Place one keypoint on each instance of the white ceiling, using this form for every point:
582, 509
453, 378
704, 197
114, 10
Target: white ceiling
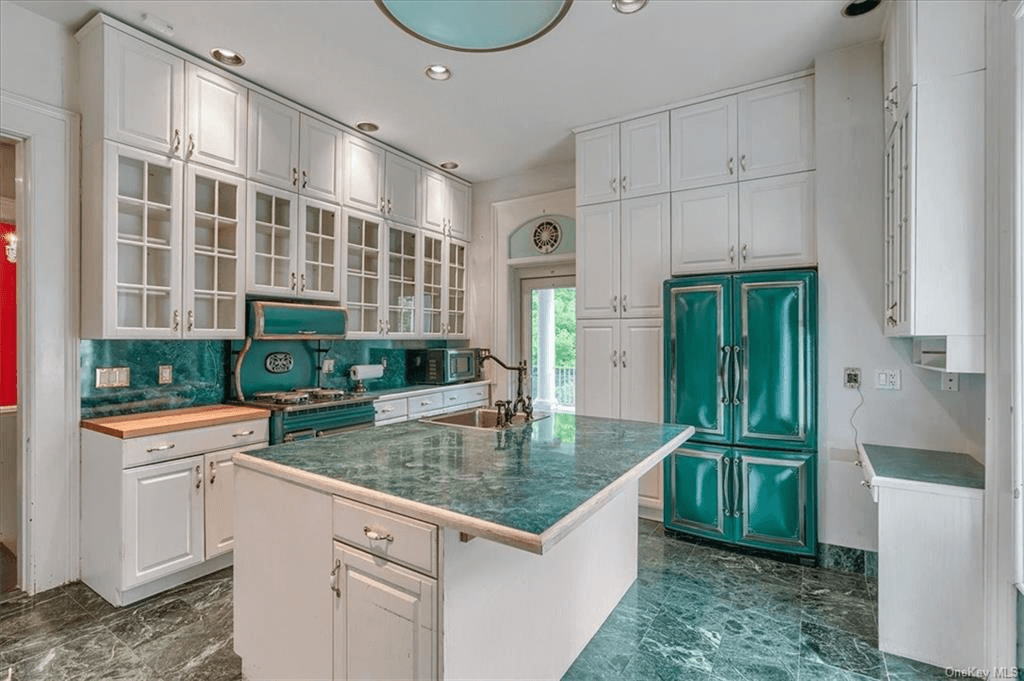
505, 112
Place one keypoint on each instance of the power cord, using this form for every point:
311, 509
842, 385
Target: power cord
856, 433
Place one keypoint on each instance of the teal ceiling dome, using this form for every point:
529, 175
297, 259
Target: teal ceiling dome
466, 26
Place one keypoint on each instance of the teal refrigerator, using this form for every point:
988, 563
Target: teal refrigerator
741, 368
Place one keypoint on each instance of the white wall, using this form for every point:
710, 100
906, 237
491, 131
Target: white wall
848, 141
37, 58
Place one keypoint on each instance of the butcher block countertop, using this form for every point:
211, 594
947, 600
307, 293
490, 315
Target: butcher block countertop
171, 420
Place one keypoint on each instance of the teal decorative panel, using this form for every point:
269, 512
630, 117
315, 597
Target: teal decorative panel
695, 482
775, 506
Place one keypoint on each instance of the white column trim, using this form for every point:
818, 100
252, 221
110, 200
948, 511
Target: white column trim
48, 212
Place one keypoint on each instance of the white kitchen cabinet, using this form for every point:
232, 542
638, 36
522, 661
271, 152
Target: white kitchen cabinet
777, 222
401, 190
273, 142
623, 160
364, 263
442, 308
402, 282
445, 205
319, 250
163, 519
157, 510
217, 111
398, 407
776, 129
381, 607
704, 145
363, 175
455, 289
623, 255
459, 214
705, 229
619, 375
319, 159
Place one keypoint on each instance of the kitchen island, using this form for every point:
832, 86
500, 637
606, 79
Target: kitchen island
420, 550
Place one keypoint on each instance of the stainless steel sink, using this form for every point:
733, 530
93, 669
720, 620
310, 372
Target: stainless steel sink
484, 418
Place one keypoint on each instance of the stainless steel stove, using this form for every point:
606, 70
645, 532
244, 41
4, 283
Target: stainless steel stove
304, 413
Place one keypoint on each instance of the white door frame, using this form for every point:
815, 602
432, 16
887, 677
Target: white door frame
48, 364
558, 276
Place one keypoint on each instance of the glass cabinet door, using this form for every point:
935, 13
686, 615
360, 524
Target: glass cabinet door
318, 271
456, 313
362, 273
147, 243
214, 215
433, 250
401, 280
272, 241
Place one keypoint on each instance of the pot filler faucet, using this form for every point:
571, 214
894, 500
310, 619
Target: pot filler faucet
508, 409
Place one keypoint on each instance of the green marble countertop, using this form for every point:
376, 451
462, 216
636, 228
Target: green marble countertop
925, 465
525, 486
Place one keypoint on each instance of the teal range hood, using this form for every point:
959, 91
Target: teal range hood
269, 320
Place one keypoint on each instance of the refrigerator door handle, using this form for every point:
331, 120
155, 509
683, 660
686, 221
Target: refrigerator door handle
736, 375
726, 501
736, 511
723, 368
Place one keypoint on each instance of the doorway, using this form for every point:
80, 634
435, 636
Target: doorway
548, 324
9, 487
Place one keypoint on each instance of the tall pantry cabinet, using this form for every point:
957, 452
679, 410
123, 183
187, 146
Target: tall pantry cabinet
622, 256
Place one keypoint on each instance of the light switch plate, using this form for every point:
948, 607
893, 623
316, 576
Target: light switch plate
113, 377
166, 374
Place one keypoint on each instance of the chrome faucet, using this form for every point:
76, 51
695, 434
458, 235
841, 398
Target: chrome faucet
508, 410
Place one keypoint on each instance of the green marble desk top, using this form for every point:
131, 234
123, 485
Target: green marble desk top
526, 478
926, 465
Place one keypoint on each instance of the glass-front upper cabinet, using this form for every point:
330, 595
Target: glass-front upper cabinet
456, 285
272, 242
214, 242
319, 249
432, 300
401, 281
363, 274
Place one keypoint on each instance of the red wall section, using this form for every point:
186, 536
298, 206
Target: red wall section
8, 325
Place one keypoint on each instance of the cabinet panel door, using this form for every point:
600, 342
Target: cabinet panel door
777, 222
363, 175
402, 193
385, 620
220, 502
640, 350
403, 279
698, 346
705, 227
435, 201
273, 142
459, 221
146, 102
597, 261
163, 514
696, 491
597, 165
597, 373
704, 144
646, 254
215, 225
319, 250
776, 328
364, 258
644, 156
776, 129
776, 500
319, 159
455, 287
272, 216
217, 113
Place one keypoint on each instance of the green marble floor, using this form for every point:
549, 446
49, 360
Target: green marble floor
702, 613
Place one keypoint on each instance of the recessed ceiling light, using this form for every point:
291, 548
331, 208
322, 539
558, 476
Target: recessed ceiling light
227, 57
449, 165
367, 126
438, 72
856, 8
628, 6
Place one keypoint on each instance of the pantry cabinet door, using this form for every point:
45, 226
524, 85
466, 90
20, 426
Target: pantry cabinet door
704, 144
644, 156
597, 261
273, 142
597, 368
217, 113
597, 165
163, 515
705, 229
646, 255
777, 222
776, 129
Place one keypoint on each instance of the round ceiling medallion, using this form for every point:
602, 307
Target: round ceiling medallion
464, 26
546, 237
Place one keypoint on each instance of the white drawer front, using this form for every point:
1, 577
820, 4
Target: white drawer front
389, 535
459, 396
421, 404
390, 410
152, 448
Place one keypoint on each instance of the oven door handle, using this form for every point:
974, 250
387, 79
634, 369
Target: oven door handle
343, 429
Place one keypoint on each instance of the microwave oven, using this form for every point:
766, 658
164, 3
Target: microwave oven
441, 366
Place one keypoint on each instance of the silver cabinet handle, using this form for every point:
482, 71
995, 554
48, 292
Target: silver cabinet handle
743, 162
305, 179
382, 204
302, 282
732, 254
386, 410
295, 176
335, 586
424, 403
293, 284
191, 146
891, 319
176, 141
865, 483
374, 535
199, 476
731, 165
736, 377
191, 321
614, 184
623, 302
389, 206
726, 501
723, 368
245, 433
175, 321
737, 510
624, 184
452, 398
743, 252
213, 471
622, 359
615, 361
615, 303
161, 448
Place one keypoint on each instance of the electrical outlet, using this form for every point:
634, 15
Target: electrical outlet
887, 379
113, 377
950, 382
328, 366
166, 375
851, 377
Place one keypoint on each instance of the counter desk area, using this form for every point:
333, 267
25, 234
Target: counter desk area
427, 551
